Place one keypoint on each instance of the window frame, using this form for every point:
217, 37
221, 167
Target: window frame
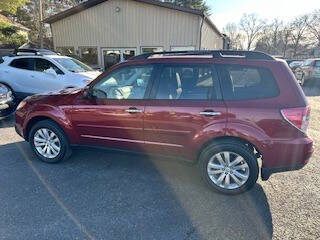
216, 84
120, 68
220, 66
30, 58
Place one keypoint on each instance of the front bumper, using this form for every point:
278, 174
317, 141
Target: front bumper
18, 131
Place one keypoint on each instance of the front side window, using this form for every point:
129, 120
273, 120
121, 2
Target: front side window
246, 82
186, 82
317, 64
73, 65
42, 65
23, 63
124, 83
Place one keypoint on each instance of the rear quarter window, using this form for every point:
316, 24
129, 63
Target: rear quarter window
247, 82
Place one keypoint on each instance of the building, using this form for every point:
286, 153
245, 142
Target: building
102, 32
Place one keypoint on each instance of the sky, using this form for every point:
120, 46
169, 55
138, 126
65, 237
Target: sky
225, 11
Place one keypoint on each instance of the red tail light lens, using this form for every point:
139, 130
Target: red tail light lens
298, 117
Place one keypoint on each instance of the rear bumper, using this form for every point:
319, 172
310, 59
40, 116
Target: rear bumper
267, 172
283, 156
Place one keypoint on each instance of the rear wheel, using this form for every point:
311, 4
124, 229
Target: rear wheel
49, 142
229, 167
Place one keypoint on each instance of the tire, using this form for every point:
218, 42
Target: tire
62, 143
209, 156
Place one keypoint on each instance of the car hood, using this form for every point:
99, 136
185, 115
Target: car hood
59, 95
89, 75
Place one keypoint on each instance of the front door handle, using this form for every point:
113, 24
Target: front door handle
210, 113
133, 110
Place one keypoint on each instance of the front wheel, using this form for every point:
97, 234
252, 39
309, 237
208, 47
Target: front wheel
49, 142
229, 167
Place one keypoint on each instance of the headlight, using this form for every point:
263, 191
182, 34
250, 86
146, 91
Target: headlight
5, 94
21, 105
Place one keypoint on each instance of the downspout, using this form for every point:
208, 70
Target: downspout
200, 33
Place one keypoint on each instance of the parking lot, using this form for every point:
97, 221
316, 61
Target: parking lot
99, 194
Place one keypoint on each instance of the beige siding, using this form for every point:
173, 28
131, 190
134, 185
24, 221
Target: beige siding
137, 24
210, 39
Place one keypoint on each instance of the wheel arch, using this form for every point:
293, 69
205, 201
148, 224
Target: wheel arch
34, 120
238, 140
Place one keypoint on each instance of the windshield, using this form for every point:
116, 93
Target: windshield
73, 65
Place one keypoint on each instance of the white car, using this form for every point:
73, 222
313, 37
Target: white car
32, 74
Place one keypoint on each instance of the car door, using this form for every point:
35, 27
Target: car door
52, 80
184, 111
113, 116
19, 76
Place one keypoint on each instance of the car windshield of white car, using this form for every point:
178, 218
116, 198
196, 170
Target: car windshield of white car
73, 65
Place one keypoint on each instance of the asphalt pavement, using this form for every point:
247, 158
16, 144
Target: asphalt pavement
100, 194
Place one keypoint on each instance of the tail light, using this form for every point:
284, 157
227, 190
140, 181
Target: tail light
298, 117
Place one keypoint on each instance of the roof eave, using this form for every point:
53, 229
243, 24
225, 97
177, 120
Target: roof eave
88, 4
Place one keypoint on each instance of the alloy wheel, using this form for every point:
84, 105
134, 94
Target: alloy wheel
47, 143
228, 170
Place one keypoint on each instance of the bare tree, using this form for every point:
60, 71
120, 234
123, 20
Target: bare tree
285, 39
314, 26
299, 28
252, 26
236, 38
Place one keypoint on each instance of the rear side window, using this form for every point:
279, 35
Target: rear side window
247, 82
187, 82
23, 63
317, 64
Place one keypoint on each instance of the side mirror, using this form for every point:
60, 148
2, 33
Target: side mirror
51, 72
86, 93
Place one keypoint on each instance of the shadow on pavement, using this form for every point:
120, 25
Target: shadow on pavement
112, 195
7, 122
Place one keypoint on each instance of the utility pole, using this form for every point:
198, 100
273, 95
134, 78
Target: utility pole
41, 24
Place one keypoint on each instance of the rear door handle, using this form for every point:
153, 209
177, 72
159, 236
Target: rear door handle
210, 113
133, 110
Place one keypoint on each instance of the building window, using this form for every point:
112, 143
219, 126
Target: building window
67, 51
151, 49
183, 48
89, 55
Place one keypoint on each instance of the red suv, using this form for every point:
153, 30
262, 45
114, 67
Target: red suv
224, 110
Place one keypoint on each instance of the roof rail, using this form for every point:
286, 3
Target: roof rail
214, 53
35, 51
23, 50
